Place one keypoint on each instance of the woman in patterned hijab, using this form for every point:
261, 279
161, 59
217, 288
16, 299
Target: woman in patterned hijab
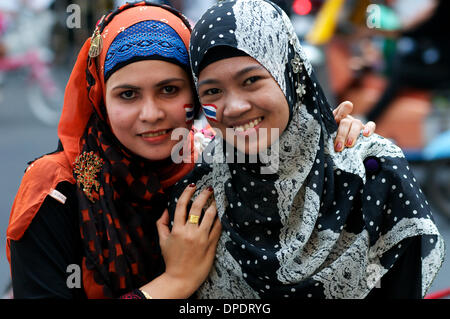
305, 221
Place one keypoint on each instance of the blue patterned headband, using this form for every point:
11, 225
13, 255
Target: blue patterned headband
145, 40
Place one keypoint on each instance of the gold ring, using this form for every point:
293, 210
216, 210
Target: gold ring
193, 219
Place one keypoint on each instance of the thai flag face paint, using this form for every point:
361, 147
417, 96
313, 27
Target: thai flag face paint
210, 111
189, 108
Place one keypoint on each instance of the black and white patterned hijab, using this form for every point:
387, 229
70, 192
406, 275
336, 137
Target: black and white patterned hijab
325, 224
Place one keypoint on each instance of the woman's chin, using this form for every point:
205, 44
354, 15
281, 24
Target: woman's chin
155, 154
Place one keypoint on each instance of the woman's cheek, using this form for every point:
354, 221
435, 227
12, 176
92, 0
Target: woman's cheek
120, 119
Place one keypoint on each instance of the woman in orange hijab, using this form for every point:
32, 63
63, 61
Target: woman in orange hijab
109, 178
88, 219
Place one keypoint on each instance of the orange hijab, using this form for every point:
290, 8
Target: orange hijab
131, 258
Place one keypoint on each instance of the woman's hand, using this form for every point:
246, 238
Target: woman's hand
189, 249
349, 127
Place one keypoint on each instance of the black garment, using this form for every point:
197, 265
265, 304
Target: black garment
52, 242
39, 260
402, 282
45, 259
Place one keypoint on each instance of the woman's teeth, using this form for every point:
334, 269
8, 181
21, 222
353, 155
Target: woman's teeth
154, 134
245, 127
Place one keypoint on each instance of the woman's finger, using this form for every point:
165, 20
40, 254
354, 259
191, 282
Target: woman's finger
353, 134
208, 217
369, 128
342, 134
342, 111
216, 230
182, 204
198, 204
162, 225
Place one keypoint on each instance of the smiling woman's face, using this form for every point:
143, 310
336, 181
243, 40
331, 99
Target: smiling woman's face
243, 101
145, 102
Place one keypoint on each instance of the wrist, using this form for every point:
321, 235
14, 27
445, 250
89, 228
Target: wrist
167, 287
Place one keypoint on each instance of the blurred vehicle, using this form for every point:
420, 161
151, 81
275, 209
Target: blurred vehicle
27, 52
306, 16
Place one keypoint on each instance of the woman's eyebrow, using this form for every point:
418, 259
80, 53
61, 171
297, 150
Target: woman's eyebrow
248, 69
235, 76
167, 81
125, 86
133, 87
208, 81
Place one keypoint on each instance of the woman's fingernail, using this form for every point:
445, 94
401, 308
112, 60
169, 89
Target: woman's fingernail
366, 131
338, 146
210, 188
192, 185
349, 142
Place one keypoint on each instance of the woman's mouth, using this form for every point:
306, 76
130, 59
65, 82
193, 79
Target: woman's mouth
156, 136
252, 124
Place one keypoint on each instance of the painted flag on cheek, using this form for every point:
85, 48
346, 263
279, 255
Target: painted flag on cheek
189, 108
210, 111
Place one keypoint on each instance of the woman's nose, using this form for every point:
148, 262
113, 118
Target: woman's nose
235, 107
151, 112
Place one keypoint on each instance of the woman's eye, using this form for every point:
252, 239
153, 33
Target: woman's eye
211, 91
251, 80
128, 95
169, 89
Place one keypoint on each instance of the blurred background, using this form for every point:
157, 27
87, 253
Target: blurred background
390, 58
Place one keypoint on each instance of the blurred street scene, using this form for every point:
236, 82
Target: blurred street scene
390, 58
